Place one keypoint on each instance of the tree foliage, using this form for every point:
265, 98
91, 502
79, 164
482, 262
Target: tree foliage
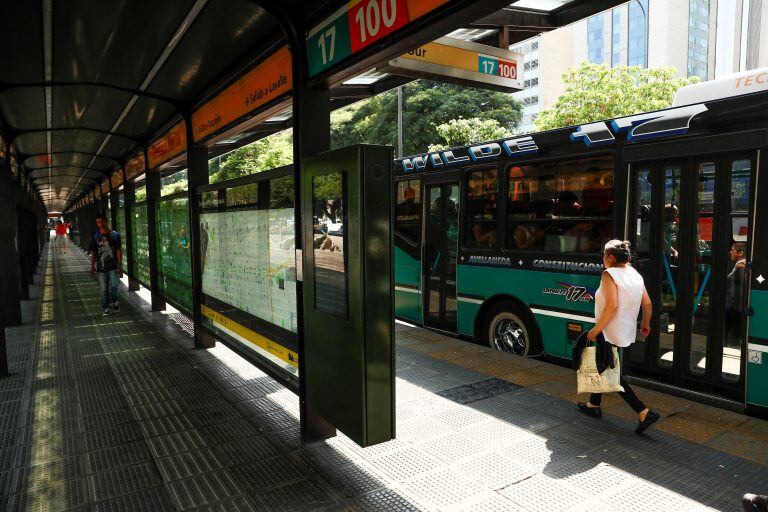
457, 132
426, 106
262, 155
595, 91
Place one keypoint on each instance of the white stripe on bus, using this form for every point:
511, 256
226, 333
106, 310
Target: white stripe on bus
567, 316
409, 290
470, 300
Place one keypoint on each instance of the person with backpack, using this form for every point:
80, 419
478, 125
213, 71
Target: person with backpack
106, 263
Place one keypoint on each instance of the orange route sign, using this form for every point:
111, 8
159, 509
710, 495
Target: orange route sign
134, 167
267, 81
170, 144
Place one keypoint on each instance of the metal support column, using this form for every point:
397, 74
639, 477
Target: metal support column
197, 175
10, 275
311, 135
129, 195
153, 195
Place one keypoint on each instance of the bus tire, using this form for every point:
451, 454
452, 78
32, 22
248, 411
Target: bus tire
508, 327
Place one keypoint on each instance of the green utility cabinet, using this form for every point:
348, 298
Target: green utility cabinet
349, 344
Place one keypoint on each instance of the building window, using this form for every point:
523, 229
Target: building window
616, 38
596, 39
698, 38
637, 33
725, 45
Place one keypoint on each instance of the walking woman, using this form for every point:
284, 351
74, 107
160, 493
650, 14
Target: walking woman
617, 303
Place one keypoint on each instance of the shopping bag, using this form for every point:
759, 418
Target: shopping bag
589, 380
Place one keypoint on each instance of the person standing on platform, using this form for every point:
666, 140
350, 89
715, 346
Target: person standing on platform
106, 262
61, 236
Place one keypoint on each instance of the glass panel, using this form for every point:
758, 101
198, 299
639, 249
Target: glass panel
482, 191
243, 195
176, 182
433, 250
580, 189
669, 263
281, 192
642, 239
174, 271
702, 269
140, 192
451, 240
586, 237
140, 235
735, 286
120, 227
209, 199
408, 209
637, 33
328, 211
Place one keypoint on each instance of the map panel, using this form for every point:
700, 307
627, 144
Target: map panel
248, 262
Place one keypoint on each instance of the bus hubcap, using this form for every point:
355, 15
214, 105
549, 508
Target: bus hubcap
509, 335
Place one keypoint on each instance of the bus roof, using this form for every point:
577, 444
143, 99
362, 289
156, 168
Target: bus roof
745, 82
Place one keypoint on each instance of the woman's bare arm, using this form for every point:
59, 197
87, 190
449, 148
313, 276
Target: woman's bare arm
611, 293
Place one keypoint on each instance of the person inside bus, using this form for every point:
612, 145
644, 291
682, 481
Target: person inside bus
528, 236
618, 301
567, 205
734, 296
671, 214
484, 233
597, 195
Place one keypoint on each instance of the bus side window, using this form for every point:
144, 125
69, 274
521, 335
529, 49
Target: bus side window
408, 210
560, 207
482, 194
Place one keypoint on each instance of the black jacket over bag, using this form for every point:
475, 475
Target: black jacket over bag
603, 354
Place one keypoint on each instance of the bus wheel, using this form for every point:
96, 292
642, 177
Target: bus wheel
508, 328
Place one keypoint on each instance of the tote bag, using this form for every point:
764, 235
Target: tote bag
589, 380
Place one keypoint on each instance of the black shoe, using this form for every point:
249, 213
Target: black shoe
115, 306
650, 418
754, 503
592, 412
105, 312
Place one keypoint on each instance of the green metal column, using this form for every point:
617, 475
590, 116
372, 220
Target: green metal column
153, 195
197, 175
311, 135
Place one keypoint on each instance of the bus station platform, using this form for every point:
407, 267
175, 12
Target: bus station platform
122, 413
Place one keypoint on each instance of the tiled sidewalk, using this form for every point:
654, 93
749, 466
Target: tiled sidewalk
120, 413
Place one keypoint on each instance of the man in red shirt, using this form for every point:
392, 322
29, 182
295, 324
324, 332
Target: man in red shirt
61, 236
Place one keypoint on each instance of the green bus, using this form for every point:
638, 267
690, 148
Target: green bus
500, 242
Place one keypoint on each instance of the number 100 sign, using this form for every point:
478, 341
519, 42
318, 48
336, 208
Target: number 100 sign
351, 29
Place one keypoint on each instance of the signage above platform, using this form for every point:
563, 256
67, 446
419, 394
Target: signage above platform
463, 62
170, 144
134, 167
269, 80
359, 24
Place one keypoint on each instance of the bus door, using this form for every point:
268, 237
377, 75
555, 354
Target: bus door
441, 225
691, 234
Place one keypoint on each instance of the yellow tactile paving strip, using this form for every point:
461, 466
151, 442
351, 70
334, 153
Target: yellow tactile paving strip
727, 431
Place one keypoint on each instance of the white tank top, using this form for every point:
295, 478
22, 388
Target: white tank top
622, 330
